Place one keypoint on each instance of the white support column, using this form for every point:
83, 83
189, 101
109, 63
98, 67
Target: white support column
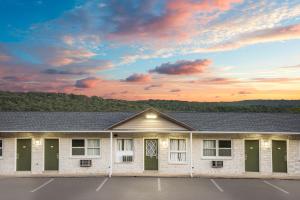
111, 155
191, 154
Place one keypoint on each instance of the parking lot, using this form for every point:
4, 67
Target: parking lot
144, 188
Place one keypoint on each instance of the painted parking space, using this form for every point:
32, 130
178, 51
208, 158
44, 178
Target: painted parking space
189, 189
292, 186
71, 188
142, 188
19, 188
146, 188
250, 189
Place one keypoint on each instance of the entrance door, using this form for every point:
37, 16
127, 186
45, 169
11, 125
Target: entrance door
151, 154
51, 154
252, 155
23, 154
279, 156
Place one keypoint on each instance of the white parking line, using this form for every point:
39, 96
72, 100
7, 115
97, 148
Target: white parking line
102, 184
216, 184
158, 185
43, 185
276, 187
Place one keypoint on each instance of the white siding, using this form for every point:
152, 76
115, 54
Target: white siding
141, 123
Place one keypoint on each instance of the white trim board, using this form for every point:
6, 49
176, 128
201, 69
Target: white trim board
159, 131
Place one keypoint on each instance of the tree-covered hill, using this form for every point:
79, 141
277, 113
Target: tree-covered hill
37, 101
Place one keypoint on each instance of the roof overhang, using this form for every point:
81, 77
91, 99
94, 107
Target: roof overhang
162, 131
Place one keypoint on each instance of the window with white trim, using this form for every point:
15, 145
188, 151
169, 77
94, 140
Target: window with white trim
124, 150
178, 150
78, 147
83, 147
217, 148
1, 147
93, 147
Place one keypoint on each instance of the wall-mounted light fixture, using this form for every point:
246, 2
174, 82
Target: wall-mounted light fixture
37, 142
164, 143
151, 116
266, 144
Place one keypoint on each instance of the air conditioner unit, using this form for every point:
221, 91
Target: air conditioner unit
217, 164
85, 163
127, 158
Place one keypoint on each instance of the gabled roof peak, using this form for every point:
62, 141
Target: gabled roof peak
149, 115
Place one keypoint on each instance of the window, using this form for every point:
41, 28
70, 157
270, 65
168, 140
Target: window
217, 148
124, 150
224, 147
1, 144
177, 150
209, 148
93, 147
82, 147
78, 147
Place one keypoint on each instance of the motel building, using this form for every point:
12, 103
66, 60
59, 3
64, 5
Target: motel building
150, 143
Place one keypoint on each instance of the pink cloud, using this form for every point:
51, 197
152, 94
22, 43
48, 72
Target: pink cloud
244, 92
4, 58
218, 80
139, 78
60, 56
89, 82
182, 67
275, 80
176, 22
175, 90
262, 36
87, 67
150, 87
65, 57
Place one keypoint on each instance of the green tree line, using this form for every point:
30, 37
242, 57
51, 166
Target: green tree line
38, 101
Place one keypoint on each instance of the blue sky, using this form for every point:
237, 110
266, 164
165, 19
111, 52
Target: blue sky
195, 50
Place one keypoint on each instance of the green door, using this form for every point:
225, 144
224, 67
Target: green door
279, 159
51, 154
151, 154
251, 155
23, 154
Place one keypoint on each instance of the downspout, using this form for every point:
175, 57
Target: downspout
111, 155
191, 154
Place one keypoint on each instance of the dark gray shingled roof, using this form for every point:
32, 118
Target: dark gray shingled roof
93, 121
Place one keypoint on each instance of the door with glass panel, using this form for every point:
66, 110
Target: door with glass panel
151, 154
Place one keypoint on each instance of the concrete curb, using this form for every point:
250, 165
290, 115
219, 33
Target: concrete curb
280, 177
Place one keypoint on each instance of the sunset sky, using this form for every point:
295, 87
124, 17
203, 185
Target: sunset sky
194, 50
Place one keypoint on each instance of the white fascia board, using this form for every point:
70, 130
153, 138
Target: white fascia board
158, 131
